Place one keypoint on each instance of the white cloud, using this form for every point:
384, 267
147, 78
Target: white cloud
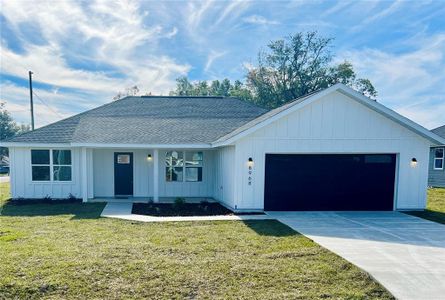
412, 83
213, 55
259, 20
232, 11
16, 99
121, 40
379, 15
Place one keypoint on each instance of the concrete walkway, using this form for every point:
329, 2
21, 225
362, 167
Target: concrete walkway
123, 211
404, 253
4, 179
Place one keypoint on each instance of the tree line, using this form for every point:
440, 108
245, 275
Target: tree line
287, 69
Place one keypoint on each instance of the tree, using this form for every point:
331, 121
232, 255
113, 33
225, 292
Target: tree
216, 88
8, 127
299, 65
131, 91
288, 69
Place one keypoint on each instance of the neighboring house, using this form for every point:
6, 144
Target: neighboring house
436, 177
331, 150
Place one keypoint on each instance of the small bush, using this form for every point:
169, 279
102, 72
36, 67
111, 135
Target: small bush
179, 201
71, 197
204, 202
47, 198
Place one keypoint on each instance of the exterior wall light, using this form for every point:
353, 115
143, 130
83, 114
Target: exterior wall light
149, 158
413, 162
250, 162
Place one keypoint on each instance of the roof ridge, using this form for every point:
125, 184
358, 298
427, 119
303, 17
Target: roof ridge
181, 96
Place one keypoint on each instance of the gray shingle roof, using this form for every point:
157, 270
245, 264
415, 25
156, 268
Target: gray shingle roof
150, 120
440, 131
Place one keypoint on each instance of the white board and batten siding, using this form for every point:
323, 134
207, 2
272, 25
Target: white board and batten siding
103, 170
22, 185
202, 189
143, 170
224, 169
333, 124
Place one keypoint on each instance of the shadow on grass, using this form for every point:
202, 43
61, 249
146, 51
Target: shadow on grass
431, 215
78, 210
270, 228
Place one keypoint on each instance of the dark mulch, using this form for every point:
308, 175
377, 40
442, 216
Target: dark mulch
23, 201
183, 210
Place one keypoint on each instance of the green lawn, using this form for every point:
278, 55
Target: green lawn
58, 251
435, 207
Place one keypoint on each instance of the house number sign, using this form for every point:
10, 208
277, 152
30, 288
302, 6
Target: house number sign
249, 181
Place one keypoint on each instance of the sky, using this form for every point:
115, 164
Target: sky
82, 53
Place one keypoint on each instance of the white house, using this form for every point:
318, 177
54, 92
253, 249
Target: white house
332, 150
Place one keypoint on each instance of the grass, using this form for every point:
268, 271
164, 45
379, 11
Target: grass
435, 207
66, 251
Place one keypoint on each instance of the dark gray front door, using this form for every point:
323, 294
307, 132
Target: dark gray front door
123, 174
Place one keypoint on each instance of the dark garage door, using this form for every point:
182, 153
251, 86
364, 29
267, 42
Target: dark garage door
329, 182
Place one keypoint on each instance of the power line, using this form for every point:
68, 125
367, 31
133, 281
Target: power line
49, 107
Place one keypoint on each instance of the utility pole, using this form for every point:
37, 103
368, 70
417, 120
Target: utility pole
30, 99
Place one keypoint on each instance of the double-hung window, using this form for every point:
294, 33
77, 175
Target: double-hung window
183, 166
438, 158
41, 165
51, 165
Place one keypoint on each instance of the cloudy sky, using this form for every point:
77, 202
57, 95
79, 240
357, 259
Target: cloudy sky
84, 52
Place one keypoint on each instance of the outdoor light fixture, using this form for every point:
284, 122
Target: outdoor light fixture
413, 162
250, 161
149, 157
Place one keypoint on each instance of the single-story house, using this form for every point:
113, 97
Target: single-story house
331, 150
436, 173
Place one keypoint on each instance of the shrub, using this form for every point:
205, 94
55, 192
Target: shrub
71, 197
47, 198
179, 202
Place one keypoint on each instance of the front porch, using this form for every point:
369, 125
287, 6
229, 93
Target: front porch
135, 175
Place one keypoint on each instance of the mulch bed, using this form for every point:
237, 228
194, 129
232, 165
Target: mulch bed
23, 201
181, 210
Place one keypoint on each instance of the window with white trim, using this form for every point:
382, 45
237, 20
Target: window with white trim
183, 166
61, 165
51, 165
438, 158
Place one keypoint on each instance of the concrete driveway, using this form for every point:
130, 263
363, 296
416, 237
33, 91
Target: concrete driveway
404, 253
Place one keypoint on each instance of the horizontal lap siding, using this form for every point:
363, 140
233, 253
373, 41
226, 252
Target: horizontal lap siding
333, 124
22, 185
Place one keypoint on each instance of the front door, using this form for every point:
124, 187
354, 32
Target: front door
123, 174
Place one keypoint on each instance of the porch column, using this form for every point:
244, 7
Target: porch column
156, 175
84, 174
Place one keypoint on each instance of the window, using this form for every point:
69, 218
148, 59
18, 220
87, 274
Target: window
40, 165
438, 158
174, 161
61, 165
43, 161
176, 166
193, 166
123, 159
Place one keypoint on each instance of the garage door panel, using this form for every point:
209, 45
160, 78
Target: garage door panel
329, 182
